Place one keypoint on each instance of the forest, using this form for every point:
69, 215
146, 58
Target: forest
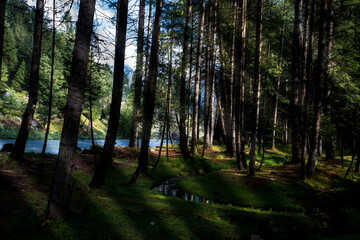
203, 119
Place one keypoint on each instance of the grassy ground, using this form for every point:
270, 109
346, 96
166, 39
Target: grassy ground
273, 205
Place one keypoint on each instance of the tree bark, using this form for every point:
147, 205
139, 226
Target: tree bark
2, 30
182, 126
190, 82
28, 115
257, 75
51, 80
195, 136
149, 94
278, 82
138, 77
148, 44
119, 61
318, 81
62, 185
308, 72
295, 84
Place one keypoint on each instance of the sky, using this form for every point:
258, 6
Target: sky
104, 28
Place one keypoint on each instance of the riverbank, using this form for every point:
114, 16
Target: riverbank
273, 205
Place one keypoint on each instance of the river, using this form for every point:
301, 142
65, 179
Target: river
53, 145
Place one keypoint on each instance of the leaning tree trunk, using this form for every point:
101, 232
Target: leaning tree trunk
295, 84
2, 30
28, 115
318, 82
138, 78
106, 154
255, 102
149, 94
61, 189
51, 80
195, 136
182, 126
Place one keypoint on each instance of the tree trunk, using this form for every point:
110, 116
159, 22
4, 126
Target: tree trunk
2, 30
309, 51
28, 115
148, 44
106, 154
51, 79
182, 126
190, 80
295, 84
133, 143
239, 74
277, 93
150, 94
318, 81
257, 75
207, 81
197, 80
61, 188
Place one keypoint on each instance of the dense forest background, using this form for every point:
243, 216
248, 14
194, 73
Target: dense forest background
16, 64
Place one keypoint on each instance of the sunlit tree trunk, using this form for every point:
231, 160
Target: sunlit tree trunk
119, 61
28, 115
61, 189
138, 77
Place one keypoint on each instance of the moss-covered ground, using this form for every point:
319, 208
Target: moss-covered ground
274, 204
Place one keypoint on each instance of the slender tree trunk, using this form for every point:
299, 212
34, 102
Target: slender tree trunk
242, 82
195, 136
138, 77
150, 94
308, 72
28, 115
2, 30
318, 82
257, 75
61, 189
161, 144
207, 81
212, 75
119, 61
182, 126
91, 116
279, 78
295, 84
148, 43
190, 81
51, 80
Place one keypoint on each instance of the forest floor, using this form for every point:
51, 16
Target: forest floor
275, 204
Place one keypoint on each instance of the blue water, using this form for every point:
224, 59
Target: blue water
53, 145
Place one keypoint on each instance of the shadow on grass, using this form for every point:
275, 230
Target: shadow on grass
18, 217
